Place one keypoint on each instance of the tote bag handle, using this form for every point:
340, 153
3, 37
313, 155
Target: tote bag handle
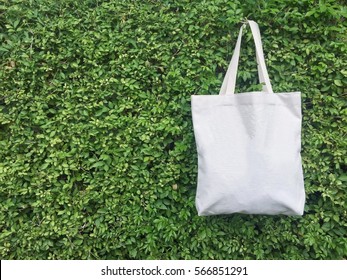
228, 86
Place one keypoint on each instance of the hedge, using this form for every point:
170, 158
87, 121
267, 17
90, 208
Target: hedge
97, 152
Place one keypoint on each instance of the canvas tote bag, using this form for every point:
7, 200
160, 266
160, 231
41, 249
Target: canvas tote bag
248, 146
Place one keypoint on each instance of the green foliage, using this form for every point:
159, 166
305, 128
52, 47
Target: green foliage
97, 154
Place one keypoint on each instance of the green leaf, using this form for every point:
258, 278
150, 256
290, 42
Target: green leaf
343, 177
338, 83
78, 242
98, 164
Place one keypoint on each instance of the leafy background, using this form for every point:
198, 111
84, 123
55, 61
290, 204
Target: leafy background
97, 153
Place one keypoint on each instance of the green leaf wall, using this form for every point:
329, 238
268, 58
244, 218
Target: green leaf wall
97, 152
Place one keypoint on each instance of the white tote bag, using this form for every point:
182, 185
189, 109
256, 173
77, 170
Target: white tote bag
248, 146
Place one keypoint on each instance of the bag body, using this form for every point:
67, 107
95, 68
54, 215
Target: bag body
248, 146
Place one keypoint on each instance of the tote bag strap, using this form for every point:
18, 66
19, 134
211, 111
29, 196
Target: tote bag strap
228, 86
